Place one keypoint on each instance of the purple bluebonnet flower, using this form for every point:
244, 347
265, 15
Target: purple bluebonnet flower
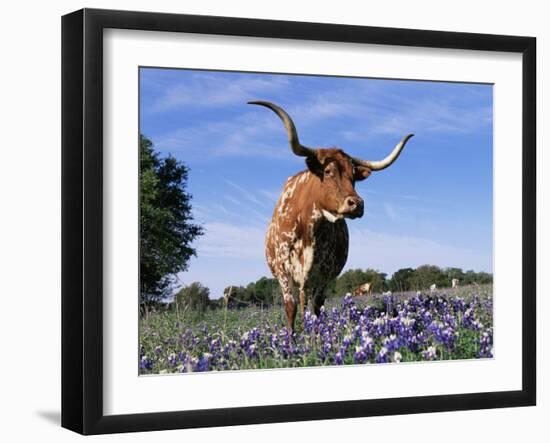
204, 362
215, 345
486, 344
145, 363
172, 359
361, 355
430, 353
382, 356
391, 343
346, 341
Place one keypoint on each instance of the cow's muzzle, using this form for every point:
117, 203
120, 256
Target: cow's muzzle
352, 207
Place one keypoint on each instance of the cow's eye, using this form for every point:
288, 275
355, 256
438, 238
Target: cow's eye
328, 171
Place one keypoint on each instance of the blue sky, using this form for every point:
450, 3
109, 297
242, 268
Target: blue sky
434, 205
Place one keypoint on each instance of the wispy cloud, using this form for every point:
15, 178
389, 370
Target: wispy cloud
353, 114
232, 210
434, 114
231, 241
273, 196
248, 212
209, 90
250, 196
354, 110
247, 135
416, 203
324, 106
391, 212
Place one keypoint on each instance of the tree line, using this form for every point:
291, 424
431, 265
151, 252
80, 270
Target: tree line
266, 291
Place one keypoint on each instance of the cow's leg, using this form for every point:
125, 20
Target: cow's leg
290, 309
318, 300
288, 300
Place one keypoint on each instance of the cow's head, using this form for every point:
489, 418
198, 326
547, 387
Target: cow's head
337, 171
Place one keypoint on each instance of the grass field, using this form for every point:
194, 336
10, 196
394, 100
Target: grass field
449, 324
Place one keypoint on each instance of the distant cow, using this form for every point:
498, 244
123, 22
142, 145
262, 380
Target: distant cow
307, 241
364, 289
387, 293
454, 283
433, 288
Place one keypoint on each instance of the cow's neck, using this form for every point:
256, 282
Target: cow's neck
310, 218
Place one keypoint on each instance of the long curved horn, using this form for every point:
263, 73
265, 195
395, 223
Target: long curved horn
383, 164
295, 145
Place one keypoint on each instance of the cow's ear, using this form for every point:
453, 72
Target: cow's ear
360, 173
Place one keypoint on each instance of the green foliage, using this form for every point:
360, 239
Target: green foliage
454, 273
265, 291
479, 277
195, 297
351, 279
426, 275
401, 280
330, 290
166, 228
422, 277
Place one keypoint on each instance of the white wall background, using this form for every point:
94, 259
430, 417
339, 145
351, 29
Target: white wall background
30, 223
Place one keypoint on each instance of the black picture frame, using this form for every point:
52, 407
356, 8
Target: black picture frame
82, 218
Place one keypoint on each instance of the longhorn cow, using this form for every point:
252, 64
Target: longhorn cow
306, 244
364, 289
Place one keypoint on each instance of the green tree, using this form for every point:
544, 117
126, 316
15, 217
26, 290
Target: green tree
349, 280
264, 291
424, 276
267, 290
195, 297
401, 280
377, 278
235, 296
353, 278
451, 273
166, 223
469, 277
484, 278
330, 290
481, 278
250, 293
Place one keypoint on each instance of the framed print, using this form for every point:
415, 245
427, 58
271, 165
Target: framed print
252, 234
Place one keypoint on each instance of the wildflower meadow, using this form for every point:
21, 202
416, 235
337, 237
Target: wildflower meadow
446, 325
